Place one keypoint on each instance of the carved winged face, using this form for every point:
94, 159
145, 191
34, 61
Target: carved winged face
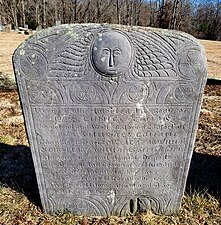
111, 53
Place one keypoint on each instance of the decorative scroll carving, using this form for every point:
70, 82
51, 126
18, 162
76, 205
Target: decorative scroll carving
189, 63
33, 63
134, 93
123, 206
43, 93
84, 93
181, 92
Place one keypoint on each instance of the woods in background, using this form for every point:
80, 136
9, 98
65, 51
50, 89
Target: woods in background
202, 20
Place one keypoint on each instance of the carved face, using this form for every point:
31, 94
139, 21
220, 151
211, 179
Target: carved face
111, 53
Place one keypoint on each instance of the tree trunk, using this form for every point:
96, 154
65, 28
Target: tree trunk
23, 12
44, 14
131, 12
153, 7
128, 13
118, 11
172, 24
56, 11
37, 13
84, 16
137, 22
15, 14
75, 11
160, 18
98, 11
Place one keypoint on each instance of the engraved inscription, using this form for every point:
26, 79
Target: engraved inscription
129, 154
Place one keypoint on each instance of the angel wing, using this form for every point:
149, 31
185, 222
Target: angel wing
154, 56
72, 61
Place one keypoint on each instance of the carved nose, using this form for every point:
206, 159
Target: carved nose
111, 60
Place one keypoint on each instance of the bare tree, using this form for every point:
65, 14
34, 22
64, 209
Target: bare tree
117, 4
14, 13
44, 13
37, 12
161, 12
74, 11
172, 24
202, 20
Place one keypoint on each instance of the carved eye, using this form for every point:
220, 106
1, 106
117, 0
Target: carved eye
106, 51
117, 52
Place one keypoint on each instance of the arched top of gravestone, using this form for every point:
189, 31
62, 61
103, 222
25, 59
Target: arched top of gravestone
111, 52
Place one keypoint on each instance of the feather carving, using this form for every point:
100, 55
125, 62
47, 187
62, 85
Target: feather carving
72, 62
151, 59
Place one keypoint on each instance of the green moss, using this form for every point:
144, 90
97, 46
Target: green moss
7, 139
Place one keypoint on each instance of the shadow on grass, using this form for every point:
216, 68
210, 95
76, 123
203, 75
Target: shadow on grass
17, 171
205, 175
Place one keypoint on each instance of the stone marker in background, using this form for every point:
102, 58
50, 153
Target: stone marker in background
39, 28
111, 114
8, 28
57, 23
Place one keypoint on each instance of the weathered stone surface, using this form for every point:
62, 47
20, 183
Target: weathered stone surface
111, 114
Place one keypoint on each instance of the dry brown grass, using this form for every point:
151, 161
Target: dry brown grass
208, 140
8, 43
213, 54
11, 120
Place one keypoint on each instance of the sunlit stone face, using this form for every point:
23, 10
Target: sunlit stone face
111, 53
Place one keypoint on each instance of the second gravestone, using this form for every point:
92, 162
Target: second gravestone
111, 114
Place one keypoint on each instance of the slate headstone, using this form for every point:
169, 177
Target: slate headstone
111, 114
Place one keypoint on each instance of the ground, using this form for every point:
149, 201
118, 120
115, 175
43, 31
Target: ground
19, 203
213, 55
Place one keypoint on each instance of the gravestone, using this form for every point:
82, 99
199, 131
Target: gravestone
39, 28
57, 23
111, 114
8, 28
